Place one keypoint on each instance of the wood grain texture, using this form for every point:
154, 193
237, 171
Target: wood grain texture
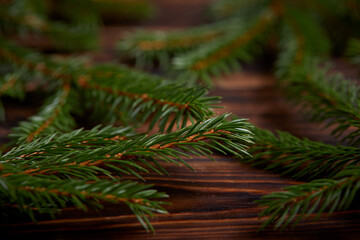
216, 201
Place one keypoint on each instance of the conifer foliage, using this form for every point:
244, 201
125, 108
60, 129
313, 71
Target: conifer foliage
302, 34
52, 159
52, 163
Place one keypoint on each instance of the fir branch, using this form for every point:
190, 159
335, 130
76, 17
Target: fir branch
300, 201
11, 84
89, 157
31, 194
18, 17
117, 11
329, 98
139, 97
300, 158
291, 52
353, 50
310, 37
54, 116
79, 139
301, 37
244, 9
76, 32
34, 62
148, 47
219, 56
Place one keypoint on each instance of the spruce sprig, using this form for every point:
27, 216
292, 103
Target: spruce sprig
353, 50
327, 98
12, 85
135, 96
55, 116
76, 30
300, 201
82, 154
300, 158
113, 92
34, 65
29, 195
149, 47
62, 169
244, 9
219, 56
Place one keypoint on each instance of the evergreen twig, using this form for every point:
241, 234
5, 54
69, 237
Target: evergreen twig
328, 98
137, 96
76, 31
82, 154
54, 117
353, 50
300, 158
300, 201
219, 56
29, 194
148, 47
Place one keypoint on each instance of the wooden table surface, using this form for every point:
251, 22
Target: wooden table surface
216, 202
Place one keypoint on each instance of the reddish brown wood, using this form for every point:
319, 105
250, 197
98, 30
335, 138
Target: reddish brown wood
216, 202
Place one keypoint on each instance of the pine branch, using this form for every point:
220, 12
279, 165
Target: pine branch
302, 37
79, 139
111, 90
233, 8
300, 201
329, 98
309, 34
353, 50
55, 116
75, 32
117, 11
85, 157
31, 194
34, 63
139, 97
12, 85
149, 47
300, 158
37, 167
220, 56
